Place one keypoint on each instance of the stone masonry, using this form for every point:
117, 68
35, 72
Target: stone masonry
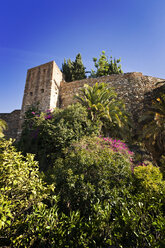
45, 86
12, 120
42, 87
134, 88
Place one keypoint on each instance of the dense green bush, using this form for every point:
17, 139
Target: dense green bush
89, 171
48, 134
103, 200
162, 165
20, 187
121, 206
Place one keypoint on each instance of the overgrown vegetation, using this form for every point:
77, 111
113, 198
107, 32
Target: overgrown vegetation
90, 193
48, 134
153, 122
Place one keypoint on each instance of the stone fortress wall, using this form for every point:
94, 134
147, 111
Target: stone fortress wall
45, 86
134, 88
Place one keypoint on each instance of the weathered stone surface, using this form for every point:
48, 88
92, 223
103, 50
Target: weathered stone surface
134, 88
12, 119
42, 87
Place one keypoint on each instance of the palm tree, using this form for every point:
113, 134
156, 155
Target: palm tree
96, 99
154, 125
3, 127
103, 103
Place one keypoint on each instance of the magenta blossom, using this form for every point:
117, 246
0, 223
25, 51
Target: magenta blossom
48, 117
116, 146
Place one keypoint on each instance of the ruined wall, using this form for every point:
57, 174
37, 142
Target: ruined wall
134, 88
12, 120
44, 85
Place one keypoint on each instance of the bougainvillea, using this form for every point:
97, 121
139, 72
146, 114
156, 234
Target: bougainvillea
116, 146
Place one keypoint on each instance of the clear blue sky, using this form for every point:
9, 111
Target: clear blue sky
33, 32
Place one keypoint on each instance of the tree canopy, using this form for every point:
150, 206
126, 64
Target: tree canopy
106, 67
73, 70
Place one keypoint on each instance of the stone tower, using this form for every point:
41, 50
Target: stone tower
42, 87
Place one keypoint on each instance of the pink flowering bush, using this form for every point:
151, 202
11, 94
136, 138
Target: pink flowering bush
116, 146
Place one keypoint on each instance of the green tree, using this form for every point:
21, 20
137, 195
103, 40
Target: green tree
105, 67
67, 69
78, 68
74, 70
153, 122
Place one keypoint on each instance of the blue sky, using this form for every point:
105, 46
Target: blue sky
33, 32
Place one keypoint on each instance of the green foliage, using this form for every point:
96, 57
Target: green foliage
49, 134
101, 203
89, 171
20, 187
103, 104
67, 69
74, 70
105, 67
153, 122
150, 178
45, 227
97, 197
3, 127
117, 207
162, 165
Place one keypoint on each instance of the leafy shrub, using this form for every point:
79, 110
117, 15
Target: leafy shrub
91, 168
162, 165
149, 177
50, 133
101, 202
20, 187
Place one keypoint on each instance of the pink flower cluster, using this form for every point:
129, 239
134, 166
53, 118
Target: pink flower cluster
48, 117
116, 146
35, 114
